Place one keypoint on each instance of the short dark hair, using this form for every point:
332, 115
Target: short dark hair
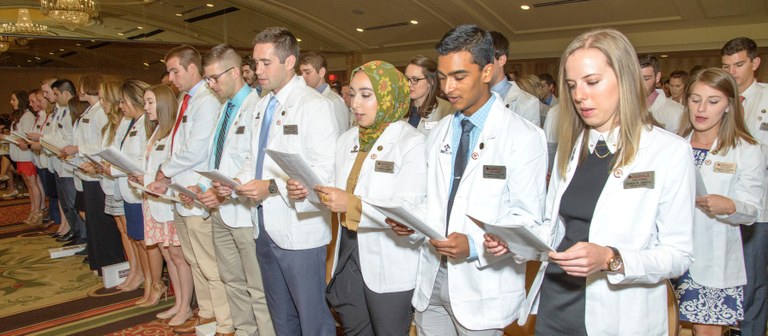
740, 44
500, 44
64, 85
249, 61
648, 60
314, 59
470, 38
547, 78
284, 41
680, 74
225, 55
187, 55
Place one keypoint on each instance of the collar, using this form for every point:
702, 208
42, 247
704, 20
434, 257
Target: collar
611, 139
652, 97
478, 118
501, 88
196, 88
240, 96
322, 87
285, 92
751, 90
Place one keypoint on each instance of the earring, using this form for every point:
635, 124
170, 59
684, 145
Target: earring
726, 110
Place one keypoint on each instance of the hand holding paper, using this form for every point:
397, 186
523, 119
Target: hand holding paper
407, 215
121, 161
298, 169
518, 239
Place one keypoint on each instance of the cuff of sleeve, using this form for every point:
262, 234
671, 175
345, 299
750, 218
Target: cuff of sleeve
202, 187
472, 250
354, 211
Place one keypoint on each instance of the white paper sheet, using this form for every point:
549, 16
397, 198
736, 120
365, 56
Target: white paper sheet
520, 240
20, 135
120, 160
180, 189
298, 169
51, 147
150, 192
409, 216
215, 175
701, 188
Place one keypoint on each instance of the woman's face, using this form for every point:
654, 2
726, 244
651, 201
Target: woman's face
81, 96
42, 103
150, 105
593, 87
14, 102
33, 103
129, 111
363, 100
414, 72
706, 107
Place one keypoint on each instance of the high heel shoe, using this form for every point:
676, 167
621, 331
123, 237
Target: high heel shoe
167, 314
158, 290
178, 320
128, 288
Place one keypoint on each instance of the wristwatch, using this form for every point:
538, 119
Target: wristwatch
615, 263
272, 187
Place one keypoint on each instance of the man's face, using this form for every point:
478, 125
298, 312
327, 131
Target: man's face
312, 77
47, 92
61, 97
345, 94
464, 83
248, 75
183, 79
223, 80
272, 74
676, 88
650, 79
741, 68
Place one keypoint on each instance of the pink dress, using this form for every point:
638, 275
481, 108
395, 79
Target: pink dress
156, 232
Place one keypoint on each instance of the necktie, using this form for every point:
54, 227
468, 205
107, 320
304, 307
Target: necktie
222, 136
459, 164
183, 109
414, 117
263, 134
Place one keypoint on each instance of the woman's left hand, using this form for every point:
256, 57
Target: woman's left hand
333, 198
69, 150
715, 205
582, 259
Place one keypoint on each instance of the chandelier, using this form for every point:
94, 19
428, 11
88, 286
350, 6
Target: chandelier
4, 44
24, 25
70, 13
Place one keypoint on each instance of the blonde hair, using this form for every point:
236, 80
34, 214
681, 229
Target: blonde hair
532, 84
732, 128
132, 93
632, 114
110, 94
166, 109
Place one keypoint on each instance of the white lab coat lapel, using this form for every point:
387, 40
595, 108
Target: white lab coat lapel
486, 139
444, 158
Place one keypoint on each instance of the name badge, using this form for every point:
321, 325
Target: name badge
240, 130
86, 121
291, 129
725, 167
184, 119
384, 167
495, 172
640, 180
160, 147
61, 126
764, 126
429, 125
133, 133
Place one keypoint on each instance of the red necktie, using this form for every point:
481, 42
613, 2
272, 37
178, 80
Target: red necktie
181, 116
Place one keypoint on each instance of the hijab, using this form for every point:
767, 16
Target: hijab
392, 95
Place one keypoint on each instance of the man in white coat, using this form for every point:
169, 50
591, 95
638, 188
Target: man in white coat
198, 110
292, 235
231, 218
313, 67
739, 57
665, 110
514, 99
486, 163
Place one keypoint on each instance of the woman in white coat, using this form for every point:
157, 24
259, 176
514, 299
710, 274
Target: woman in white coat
426, 107
620, 201
732, 168
380, 160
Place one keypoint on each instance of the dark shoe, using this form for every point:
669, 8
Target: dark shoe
186, 327
75, 242
83, 252
55, 235
67, 237
85, 260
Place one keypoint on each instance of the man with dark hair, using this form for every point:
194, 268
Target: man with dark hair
515, 99
550, 86
249, 73
677, 82
313, 68
292, 234
485, 292
665, 110
739, 57
192, 130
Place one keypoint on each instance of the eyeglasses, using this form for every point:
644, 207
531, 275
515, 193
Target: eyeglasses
415, 80
215, 78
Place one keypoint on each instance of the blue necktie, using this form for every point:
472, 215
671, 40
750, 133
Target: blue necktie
222, 136
263, 135
459, 164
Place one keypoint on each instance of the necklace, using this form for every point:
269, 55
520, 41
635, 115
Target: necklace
601, 144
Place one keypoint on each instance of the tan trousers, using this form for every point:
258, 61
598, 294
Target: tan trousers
240, 272
196, 238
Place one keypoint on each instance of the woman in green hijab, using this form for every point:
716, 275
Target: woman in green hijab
380, 161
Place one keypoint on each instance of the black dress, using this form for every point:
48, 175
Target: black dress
562, 300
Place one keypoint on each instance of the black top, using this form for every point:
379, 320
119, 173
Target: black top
562, 303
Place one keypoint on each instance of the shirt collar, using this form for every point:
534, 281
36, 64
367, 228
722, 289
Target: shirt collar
478, 118
239, 97
322, 87
611, 139
196, 88
502, 88
284, 93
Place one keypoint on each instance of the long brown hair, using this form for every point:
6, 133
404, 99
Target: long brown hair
429, 71
132, 93
110, 97
632, 112
166, 109
732, 128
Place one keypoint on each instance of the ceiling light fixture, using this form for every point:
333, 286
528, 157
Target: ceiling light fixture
4, 44
525, 7
209, 5
70, 13
414, 22
24, 25
298, 40
360, 30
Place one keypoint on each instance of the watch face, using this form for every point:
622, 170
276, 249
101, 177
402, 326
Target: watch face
615, 264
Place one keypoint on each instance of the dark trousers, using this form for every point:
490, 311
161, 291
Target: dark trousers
49, 187
755, 241
65, 187
104, 246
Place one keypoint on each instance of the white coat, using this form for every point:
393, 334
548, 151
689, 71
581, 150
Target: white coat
63, 135
294, 225
188, 151
756, 118
486, 293
25, 125
340, 109
49, 127
88, 136
667, 112
235, 212
717, 241
108, 183
523, 103
156, 153
651, 228
38, 157
427, 124
134, 146
387, 261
